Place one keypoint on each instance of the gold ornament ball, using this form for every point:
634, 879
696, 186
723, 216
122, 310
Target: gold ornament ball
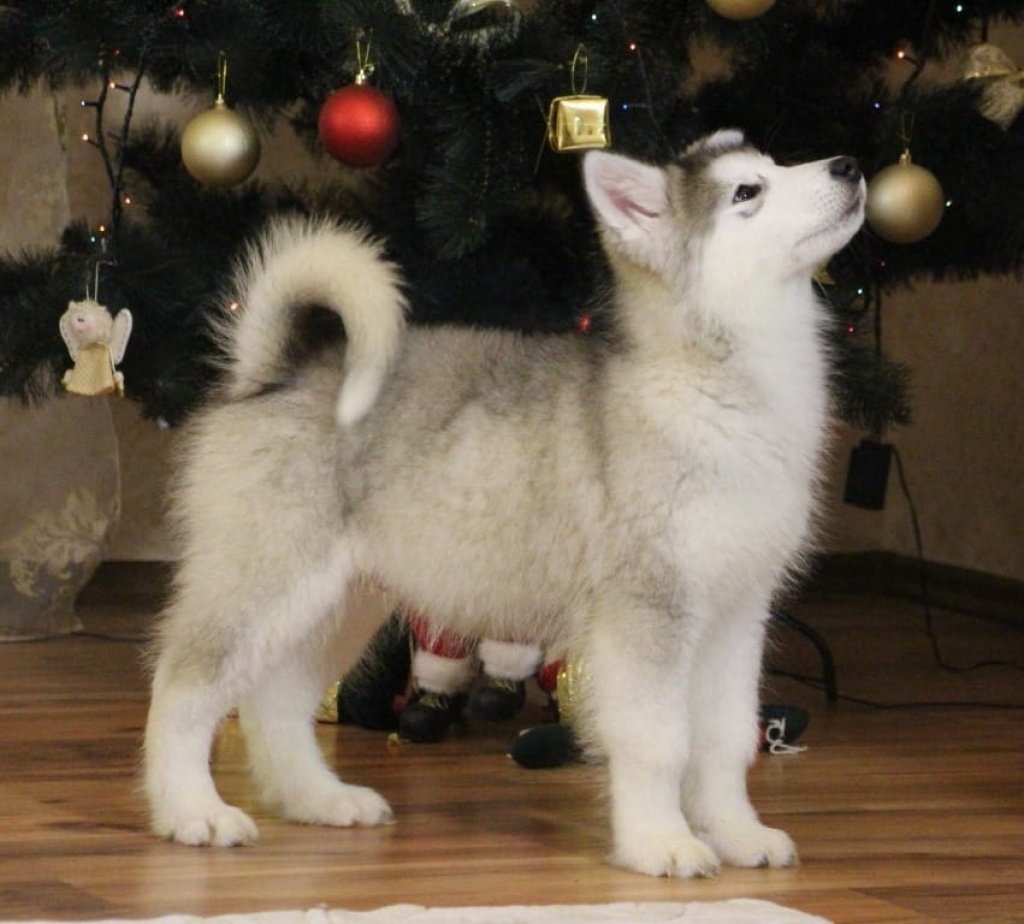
905, 203
740, 9
220, 147
571, 686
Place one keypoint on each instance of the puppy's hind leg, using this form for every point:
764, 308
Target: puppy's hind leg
188, 701
213, 648
277, 719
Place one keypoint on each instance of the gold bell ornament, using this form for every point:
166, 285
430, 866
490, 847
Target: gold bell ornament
740, 9
572, 686
905, 202
219, 147
578, 121
1002, 82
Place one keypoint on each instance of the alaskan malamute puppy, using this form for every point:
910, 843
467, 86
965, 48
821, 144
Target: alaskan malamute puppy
634, 499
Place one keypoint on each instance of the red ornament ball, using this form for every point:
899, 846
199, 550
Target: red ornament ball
359, 126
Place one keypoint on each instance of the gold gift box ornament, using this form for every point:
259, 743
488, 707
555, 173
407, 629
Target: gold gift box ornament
578, 121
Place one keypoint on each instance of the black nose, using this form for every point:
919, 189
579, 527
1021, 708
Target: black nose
845, 168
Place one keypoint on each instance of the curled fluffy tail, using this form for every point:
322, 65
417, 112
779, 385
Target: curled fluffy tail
298, 262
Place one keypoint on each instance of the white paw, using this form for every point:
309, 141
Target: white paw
341, 806
680, 854
751, 844
219, 825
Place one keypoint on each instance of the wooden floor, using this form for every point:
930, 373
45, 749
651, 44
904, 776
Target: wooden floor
901, 815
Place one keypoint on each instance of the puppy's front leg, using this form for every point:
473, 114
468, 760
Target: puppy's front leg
650, 833
639, 698
725, 688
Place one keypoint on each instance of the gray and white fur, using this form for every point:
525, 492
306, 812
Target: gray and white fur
636, 500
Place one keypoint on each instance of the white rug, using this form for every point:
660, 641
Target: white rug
736, 911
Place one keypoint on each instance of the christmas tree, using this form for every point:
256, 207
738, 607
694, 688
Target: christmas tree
438, 124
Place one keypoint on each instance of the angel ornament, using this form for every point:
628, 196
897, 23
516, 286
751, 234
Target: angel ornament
1002, 83
96, 342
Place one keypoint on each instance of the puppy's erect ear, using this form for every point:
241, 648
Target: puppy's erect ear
630, 198
721, 142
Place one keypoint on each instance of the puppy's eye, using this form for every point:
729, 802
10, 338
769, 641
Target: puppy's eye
745, 192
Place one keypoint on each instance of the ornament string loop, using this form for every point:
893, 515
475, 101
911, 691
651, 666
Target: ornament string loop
579, 63
222, 76
94, 295
103, 259
906, 129
364, 62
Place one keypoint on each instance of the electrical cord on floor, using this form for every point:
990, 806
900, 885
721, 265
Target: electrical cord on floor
926, 601
107, 636
77, 633
929, 624
817, 684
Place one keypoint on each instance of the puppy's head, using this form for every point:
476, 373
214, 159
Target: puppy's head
725, 208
